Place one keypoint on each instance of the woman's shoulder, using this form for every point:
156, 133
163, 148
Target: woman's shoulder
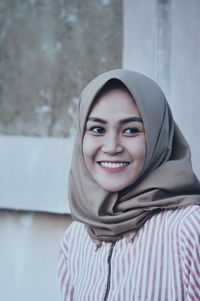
189, 214
190, 222
182, 215
75, 229
185, 220
176, 222
75, 233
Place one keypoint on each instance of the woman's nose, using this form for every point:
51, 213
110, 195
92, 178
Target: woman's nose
112, 145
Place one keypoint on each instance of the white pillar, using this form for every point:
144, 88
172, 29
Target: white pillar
161, 40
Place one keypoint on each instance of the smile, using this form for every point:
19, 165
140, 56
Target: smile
114, 164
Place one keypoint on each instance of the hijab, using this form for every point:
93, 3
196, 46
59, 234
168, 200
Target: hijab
166, 182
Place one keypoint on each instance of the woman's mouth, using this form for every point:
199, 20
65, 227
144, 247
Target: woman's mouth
113, 166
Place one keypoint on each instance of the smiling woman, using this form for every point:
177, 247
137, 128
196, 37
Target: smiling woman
114, 145
134, 197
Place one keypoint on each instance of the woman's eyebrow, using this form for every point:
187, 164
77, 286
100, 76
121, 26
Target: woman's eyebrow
126, 120
131, 119
97, 120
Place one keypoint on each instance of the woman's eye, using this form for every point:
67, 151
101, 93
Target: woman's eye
97, 130
131, 131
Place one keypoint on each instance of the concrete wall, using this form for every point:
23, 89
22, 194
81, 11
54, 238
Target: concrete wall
49, 50
29, 255
34, 173
161, 40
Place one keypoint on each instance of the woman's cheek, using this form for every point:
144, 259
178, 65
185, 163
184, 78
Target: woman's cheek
88, 146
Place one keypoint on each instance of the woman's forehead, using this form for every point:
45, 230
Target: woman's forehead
115, 102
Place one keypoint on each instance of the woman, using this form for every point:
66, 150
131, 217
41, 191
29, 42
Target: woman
134, 197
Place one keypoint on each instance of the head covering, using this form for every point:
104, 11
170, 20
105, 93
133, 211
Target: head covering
166, 182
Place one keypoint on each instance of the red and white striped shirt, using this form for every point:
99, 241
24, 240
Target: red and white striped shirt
162, 262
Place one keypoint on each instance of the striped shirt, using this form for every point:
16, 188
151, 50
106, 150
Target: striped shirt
162, 262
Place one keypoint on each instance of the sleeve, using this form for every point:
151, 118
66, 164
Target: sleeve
64, 271
190, 238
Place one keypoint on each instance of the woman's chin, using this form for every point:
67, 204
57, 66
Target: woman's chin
112, 187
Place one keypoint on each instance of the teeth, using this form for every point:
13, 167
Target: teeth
114, 165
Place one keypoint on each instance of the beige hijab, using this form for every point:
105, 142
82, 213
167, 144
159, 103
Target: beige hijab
166, 182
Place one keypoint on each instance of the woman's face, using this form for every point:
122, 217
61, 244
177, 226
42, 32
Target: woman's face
114, 144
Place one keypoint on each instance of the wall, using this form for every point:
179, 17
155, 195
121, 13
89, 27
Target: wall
49, 50
161, 40
34, 173
29, 255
